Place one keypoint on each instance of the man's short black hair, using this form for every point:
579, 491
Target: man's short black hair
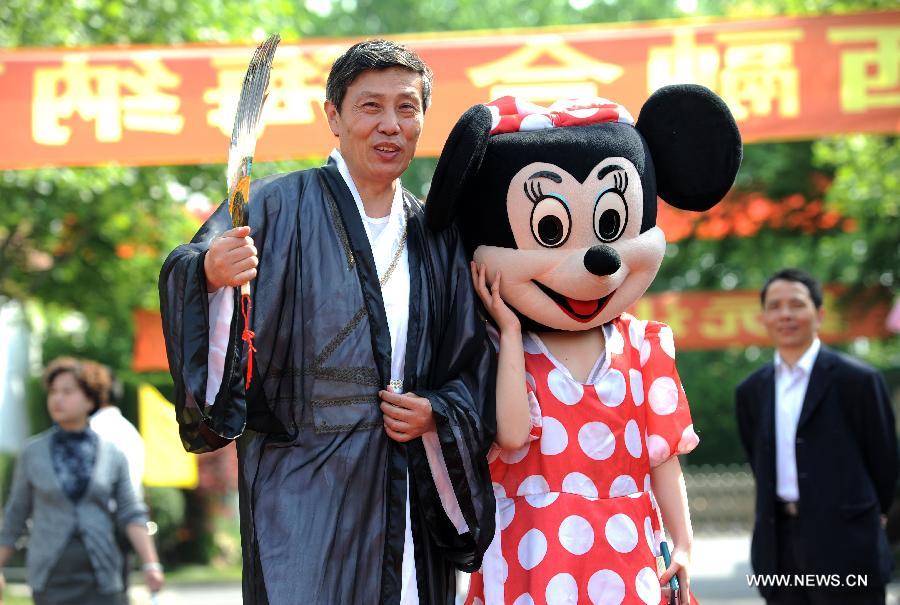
374, 55
797, 275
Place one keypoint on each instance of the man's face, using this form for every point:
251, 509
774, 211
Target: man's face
789, 315
379, 124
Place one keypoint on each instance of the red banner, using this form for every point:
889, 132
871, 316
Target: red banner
700, 320
784, 78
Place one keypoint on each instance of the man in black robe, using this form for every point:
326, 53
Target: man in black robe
362, 437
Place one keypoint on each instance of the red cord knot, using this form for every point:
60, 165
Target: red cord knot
247, 336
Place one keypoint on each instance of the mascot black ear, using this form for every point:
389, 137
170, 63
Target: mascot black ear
695, 145
459, 162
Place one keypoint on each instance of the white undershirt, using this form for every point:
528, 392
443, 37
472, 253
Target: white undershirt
384, 233
790, 390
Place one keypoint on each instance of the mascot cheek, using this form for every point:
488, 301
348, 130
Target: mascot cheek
641, 257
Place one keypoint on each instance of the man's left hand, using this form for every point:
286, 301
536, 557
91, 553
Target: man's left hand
406, 415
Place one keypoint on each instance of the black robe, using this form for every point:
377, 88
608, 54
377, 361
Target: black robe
322, 488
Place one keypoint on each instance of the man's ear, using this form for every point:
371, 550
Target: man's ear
331, 113
457, 166
695, 145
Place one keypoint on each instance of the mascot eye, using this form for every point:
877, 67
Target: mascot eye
550, 222
610, 215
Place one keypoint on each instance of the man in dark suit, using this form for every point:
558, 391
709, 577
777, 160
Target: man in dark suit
819, 434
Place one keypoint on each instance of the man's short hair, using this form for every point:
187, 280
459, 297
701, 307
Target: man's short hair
374, 55
797, 275
93, 379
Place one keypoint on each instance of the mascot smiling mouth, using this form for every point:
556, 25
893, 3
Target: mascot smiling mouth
581, 311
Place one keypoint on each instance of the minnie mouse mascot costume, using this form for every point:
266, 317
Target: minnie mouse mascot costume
557, 209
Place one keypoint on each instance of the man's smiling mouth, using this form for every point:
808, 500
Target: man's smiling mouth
581, 311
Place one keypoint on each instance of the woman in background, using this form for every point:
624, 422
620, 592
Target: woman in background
65, 481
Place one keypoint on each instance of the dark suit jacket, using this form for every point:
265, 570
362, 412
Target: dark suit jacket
846, 451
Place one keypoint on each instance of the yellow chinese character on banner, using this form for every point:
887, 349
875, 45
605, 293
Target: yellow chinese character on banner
758, 72
113, 97
683, 62
296, 88
869, 76
544, 69
727, 317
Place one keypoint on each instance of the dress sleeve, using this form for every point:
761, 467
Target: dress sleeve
670, 430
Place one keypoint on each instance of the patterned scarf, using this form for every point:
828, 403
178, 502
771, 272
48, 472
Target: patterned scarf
74, 454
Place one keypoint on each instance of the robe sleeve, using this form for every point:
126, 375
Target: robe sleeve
462, 398
184, 306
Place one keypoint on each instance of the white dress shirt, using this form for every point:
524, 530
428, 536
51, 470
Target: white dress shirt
790, 390
112, 426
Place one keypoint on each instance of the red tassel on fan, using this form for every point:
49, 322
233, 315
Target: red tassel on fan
247, 336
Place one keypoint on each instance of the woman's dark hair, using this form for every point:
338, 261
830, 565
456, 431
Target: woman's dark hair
796, 275
374, 55
94, 379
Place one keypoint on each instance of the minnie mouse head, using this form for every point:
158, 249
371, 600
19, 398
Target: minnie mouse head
562, 201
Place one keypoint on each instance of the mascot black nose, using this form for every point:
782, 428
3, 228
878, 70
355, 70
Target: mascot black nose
602, 260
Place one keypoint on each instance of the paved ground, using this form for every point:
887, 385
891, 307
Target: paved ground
719, 578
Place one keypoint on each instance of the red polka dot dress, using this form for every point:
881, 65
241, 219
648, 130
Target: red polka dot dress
576, 522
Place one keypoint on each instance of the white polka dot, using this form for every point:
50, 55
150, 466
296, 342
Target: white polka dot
513, 456
663, 395
621, 533
542, 500
493, 453
477, 601
596, 440
499, 490
501, 570
622, 485
530, 380
606, 587
653, 503
657, 449
633, 439
495, 116
506, 510
562, 589
578, 483
564, 388
524, 599
611, 388
533, 484
689, 439
648, 536
637, 386
554, 438
647, 585
645, 352
667, 341
576, 535
647, 482
636, 332
615, 344
535, 122
583, 112
537, 491
532, 549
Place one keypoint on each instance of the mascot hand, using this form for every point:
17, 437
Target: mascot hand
506, 320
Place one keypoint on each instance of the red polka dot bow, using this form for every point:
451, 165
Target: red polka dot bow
512, 114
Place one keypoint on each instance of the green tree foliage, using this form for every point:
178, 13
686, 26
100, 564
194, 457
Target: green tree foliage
92, 240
